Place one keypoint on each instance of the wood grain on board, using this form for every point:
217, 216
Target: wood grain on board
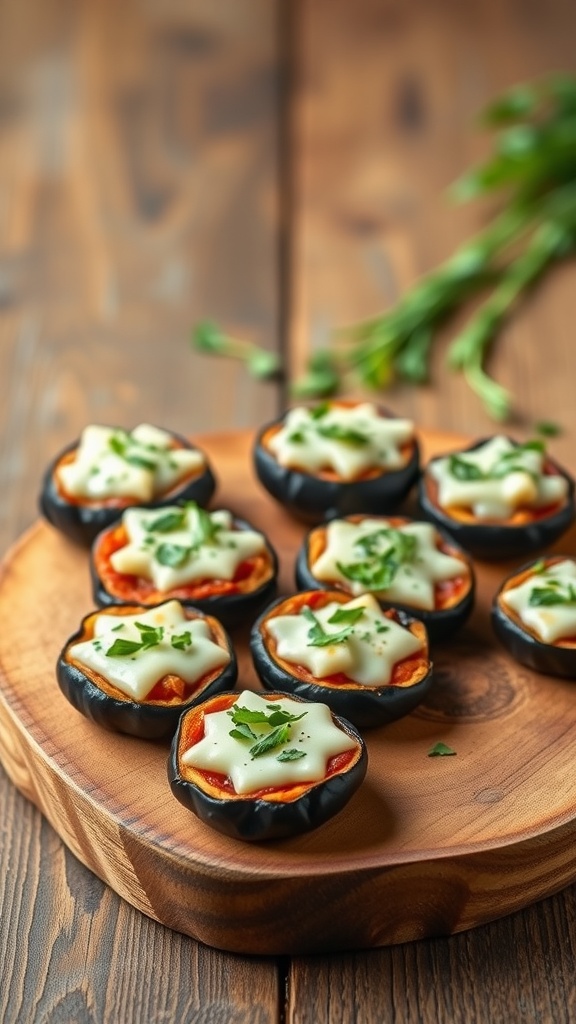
428, 847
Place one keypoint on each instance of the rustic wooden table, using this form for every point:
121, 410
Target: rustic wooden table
279, 166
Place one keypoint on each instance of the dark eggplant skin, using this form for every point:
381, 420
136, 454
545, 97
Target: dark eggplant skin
257, 820
313, 499
366, 707
440, 624
230, 609
142, 719
548, 659
81, 523
499, 541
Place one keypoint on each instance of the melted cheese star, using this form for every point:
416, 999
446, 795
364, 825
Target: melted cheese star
315, 733
136, 673
368, 654
347, 440
117, 463
177, 545
368, 542
549, 621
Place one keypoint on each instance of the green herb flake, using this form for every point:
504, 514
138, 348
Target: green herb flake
441, 750
349, 616
296, 437
271, 740
542, 597
166, 522
461, 469
116, 628
291, 755
319, 411
140, 461
243, 732
317, 635
181, 641
122, 648
173, 555
336, 432
547, 428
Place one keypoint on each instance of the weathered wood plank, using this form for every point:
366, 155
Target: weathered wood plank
138, 175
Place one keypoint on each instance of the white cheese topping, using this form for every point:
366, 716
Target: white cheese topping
372, 646
401, 564
550, 621
113, 463
348, 440
314, 736
497, 478
177, 545
169, 644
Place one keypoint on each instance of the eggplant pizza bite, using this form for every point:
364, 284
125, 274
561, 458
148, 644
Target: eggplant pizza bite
499, 498
109, 469
337, 458
135, 670
210, 560
534, 615
264, 767
369, 665
405, 564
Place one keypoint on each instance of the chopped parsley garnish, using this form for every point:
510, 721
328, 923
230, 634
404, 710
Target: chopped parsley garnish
181, 640
550, 595
117, 442
173, 555
320, 410
295, 754
378, 570
336, 432
508, 462
167, 521
441, 750
122, 648
296, 437
279, 723
347, 615
317, 635
206, 530
139, 460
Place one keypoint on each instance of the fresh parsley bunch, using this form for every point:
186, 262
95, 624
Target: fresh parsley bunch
532, 172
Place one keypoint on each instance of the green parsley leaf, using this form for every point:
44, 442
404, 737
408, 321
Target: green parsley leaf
551, 595
205, 529
291, 755
167, 522
173, 555
319, 411
239, 715
296, 437
273, 739
317, 635
347, 615
243, 732
539, 566
336, 432
139, 460
181, 640
118, 442
441, 750
122, 648
461, 469
547, 428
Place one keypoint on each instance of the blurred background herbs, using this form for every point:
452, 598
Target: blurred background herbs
531, 177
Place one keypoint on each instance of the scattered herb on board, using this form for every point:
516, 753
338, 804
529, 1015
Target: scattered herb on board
441, 750
532, 175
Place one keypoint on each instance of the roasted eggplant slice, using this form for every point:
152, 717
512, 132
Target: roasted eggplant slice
499, 498
134, 670
264, 767
337, 458
406, 564
89, 484
534, 615
209, 560
369, 665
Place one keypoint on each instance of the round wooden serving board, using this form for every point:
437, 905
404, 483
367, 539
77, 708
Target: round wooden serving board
428, 846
